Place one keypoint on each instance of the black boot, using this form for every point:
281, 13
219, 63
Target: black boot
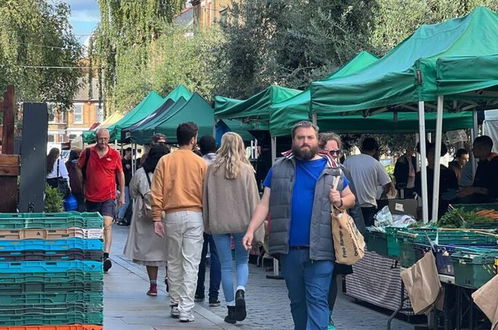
230, 318
240, 305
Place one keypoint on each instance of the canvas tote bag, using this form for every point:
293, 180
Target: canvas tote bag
349, 244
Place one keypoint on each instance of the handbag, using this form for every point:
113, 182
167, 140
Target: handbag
62, 185
349, 244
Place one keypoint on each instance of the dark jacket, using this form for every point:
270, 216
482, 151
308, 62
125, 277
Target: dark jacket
401, 169
282, 183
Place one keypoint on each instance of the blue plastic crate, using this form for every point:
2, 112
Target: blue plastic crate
51, 298
50, 266
51, 245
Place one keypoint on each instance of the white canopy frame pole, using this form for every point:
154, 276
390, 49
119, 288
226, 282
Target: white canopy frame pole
423, 161
437, 157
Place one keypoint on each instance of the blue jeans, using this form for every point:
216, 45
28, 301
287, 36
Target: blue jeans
241, 263
122, 209
214, 270
308, 285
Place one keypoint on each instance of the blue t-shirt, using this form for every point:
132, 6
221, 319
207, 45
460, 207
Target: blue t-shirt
303, 194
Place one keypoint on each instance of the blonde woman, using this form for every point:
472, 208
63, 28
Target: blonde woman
230, 196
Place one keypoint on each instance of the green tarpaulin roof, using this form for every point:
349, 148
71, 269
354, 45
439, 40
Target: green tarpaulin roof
463, 74
147, 106
257, 107
407, 73
197, 110
297, 108
143, 133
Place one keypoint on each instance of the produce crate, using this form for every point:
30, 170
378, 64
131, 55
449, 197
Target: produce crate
51, 298
52, 245
48, 309
49, 319
393, 245
49, 266
47, 234
50, 220
38, 279
57, 327
410, 253
443, 254
42, 255
42, 287
474, 268
448, 236
377, 242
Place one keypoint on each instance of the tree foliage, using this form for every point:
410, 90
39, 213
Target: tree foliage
35, 35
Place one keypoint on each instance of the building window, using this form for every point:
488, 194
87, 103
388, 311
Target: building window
78, 113
72, 136
223, 15
51, 138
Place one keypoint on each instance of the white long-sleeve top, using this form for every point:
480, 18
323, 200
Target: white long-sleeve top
62, 170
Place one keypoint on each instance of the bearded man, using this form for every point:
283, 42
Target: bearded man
300, 202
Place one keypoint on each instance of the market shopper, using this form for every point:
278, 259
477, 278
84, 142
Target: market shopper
448, 184
299, 196
142, 246
405, 170
207, 146
368, 173
75, 178
332, 144
485, 186
230, 197
177, 191
128, 172
100, 166
56, 168
461, 159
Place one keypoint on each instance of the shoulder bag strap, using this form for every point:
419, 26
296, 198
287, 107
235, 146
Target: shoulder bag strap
57, 167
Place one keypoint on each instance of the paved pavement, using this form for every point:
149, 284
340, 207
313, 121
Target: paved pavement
127, 307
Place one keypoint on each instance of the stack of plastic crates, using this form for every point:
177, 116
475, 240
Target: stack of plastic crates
51, 274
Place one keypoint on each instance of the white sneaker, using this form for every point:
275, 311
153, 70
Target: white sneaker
174, 311
187, 317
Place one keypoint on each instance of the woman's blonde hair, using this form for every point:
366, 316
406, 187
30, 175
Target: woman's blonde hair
231, 155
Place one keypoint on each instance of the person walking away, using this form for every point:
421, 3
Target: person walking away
143, 247
127, 170
457, 165
331, 143
230, 197
177, 191
75, 178
405, 170
368, 174
299, 196
207, 146
100, 166
157, 138
55, 168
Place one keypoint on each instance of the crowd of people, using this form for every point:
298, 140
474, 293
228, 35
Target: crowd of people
202, 199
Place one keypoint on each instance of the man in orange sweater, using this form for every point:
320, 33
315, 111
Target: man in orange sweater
177, 191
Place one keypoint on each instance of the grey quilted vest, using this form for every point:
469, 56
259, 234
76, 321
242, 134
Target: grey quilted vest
282, 183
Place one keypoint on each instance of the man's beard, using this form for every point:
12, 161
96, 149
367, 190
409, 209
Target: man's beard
308, 154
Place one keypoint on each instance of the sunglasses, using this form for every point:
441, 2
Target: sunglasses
336, 152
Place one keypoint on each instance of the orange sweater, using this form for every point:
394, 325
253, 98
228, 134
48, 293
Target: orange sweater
177, 183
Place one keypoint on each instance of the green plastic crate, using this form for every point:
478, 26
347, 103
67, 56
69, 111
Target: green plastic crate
41, 287
393, 245
51, 319
473, 269
50, 220
51, 309
461, 237
51, 298
74, 275
377, 242
411, 252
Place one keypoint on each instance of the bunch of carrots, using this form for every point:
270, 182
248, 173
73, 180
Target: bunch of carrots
493, 214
